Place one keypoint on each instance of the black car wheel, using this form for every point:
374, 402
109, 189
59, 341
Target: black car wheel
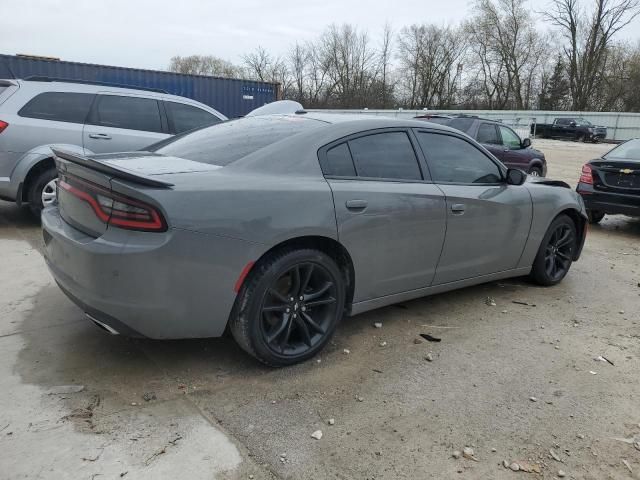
41, 193
289, 307
595, 216
556, 251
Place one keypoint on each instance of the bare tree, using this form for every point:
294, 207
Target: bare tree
386, 50
204, 65
262, 66
588, 38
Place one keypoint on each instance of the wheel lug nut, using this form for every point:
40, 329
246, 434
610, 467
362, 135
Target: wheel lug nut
288, 310
294, 315
301, 298
304, 309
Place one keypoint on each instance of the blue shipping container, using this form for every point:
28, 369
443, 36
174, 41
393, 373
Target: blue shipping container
232, 97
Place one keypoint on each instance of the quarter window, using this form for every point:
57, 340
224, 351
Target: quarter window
385, 155
132, 113
337, 162
59, 107
186, 117
454, 160
488, 134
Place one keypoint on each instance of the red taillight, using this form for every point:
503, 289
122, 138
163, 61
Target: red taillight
586, 176
3, 125
114, 209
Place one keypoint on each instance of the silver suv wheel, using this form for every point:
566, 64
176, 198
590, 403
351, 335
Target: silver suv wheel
49, 193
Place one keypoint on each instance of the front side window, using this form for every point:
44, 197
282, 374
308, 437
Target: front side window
510, 139
385, 155
187, 117
454, 160
132, 113
59, 107
488, 134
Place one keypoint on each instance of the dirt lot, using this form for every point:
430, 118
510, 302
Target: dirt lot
517, 383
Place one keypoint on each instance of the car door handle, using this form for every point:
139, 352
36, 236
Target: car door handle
100, 136
356, 204
457, 208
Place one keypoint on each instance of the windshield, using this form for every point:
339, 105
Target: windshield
629, 150
227, 142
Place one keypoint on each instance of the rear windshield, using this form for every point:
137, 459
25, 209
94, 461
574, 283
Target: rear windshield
227, 142
462, 124
628, 150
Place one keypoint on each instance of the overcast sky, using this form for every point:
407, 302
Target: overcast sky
147, 33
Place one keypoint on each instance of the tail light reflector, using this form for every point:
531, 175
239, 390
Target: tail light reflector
115, 209
3, 125
587, 175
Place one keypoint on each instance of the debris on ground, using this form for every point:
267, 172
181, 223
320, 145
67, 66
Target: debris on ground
331, 421
514, 466
430, 338
529, 467
518, 302
359, 398
65, 389
163, 450
377, 370
490, 302
626, 464
561, 473
600, 358
346, 351
383, 344
635, 441
533, 399
468, 453
148, 396
592, 372
378, 325
317, 434
417, 341
428, 357
554, 455
456, 454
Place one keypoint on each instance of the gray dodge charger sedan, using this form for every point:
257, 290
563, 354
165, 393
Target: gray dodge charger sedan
278, 226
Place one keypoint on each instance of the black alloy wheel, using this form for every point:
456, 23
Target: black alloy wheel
289, 306
298, 309
555, 255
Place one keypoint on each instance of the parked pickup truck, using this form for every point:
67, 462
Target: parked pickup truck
577, 129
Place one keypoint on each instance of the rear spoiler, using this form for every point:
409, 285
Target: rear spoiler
117, 172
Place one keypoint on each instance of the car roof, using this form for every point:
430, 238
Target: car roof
43, 85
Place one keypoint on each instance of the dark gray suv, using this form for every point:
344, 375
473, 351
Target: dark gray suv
85, 118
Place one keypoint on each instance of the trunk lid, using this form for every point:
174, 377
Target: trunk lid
92, 190
621, 176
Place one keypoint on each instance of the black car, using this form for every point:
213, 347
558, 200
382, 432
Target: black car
611, 184
577, 129
500, 140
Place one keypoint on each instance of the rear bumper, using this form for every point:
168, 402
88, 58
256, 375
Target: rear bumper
176, 284
608, 202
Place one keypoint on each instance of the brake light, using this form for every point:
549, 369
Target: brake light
587, 175
115, 209
3, 125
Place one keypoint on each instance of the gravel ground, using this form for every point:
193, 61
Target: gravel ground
516, 382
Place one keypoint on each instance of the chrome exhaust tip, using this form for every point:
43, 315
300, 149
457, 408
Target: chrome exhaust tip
102, 325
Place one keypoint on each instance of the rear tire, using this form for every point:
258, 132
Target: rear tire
289, 307
555, 255
43, 180
595, 216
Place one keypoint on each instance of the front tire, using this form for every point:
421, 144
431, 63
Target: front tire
42, 192
535, 171
555, 255
289, 307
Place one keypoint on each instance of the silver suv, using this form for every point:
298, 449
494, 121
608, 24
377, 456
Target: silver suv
39, 113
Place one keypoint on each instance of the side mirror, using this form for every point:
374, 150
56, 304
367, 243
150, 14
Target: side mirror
526, 143
572, 124
516, 177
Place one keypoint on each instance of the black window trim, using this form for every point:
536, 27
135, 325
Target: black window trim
93, 112
424, 172
477, 146
93, 100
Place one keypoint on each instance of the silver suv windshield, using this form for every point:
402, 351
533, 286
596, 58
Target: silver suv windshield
628, 151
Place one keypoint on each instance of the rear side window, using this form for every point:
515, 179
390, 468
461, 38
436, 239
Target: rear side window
227, 142
454, 160
337, 162
487, 133
462, 124
186, 117
385, 155
59, 107
132, 113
